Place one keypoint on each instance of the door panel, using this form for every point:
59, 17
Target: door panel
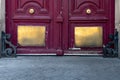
90, 23
57, 26
84, 9
31, 23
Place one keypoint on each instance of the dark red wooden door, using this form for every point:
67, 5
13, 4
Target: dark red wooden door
57, 26
31, 24
90, 23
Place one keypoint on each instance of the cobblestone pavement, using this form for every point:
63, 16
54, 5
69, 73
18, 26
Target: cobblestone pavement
59, 68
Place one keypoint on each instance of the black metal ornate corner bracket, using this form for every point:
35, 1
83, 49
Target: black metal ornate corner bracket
8, 49
111, 48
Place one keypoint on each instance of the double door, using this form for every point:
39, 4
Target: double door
59, 26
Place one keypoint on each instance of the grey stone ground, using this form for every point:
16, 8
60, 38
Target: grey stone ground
59, 68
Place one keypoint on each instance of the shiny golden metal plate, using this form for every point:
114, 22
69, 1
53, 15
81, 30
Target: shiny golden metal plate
91, 36
31, 35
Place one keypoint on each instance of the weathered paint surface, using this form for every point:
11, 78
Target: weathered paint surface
60, 17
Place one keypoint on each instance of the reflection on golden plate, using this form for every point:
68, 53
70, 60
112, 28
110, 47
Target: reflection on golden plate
88, 36
31, 35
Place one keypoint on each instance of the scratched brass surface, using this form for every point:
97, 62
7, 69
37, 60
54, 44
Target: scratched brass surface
31, 35
88, 36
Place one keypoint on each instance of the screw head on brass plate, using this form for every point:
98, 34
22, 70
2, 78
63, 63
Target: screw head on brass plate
88, 11
31, 11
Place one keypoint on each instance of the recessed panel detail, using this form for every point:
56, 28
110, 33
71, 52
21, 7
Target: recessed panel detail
91, 36
31, 35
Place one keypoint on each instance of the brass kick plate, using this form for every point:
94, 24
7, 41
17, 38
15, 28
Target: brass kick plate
91, 36
31, 35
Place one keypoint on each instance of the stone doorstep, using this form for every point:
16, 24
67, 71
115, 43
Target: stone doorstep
67, 53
